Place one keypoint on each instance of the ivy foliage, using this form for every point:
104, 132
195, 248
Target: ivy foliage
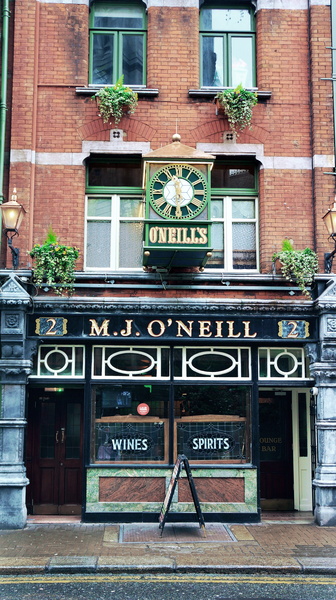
297, 265
113, 100
237, 105
54, 264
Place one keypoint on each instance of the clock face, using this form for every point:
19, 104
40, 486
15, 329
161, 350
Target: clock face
178, 191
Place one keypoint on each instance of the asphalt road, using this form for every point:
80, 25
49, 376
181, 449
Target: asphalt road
167, 587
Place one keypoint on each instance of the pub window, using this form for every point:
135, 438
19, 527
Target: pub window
114, 214
59, 361
227, 38
212, 423
117, 42
130, 423
282, 363
209, 424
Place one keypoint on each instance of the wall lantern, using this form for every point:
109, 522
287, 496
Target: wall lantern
12, 215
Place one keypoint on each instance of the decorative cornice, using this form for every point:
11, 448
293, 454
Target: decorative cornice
172, 307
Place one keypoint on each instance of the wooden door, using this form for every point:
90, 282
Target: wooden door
54, 452
276, 451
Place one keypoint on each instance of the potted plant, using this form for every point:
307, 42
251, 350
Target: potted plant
54, 264
297, 265
114, 100
237, 105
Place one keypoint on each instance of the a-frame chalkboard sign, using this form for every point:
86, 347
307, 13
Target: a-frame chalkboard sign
182, 461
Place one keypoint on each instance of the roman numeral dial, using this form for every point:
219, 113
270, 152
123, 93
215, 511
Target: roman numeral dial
178, 191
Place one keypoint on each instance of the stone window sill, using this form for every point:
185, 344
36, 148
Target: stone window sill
211, 93
142, 91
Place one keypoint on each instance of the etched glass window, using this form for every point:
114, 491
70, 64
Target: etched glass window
130, 423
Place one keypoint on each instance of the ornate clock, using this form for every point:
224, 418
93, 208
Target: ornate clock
178, 191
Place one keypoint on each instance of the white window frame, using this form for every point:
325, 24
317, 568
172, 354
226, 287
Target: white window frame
228, 221
223, 350
130, 375
299, 363
114, 219
59, 374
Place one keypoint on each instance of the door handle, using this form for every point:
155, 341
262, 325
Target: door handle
63, 435
56, 437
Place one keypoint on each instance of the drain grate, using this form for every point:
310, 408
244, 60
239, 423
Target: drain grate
174, 532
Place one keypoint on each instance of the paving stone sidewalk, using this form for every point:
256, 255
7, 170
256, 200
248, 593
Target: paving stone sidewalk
286, 546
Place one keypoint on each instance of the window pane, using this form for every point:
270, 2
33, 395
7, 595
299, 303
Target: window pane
112, 16
99, 207
98, 244
244, 246
132, 59
47, 439
216, 208
217, 242
131, 207
213, 68
102, 59
130, 244
114, 173
122, 432
234, 176
241, 61
72, 440
212, 422
243, 209
222, 19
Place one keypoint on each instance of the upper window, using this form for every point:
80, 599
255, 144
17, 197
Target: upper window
117, 42
234, 216
114, 214
227, 46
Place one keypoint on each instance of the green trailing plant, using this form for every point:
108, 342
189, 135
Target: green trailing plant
297, 265
113, 100
54, 264
237, 105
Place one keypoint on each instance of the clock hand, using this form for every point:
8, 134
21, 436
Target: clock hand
178, 196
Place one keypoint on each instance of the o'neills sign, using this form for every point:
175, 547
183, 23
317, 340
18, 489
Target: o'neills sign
178, 235
141, 327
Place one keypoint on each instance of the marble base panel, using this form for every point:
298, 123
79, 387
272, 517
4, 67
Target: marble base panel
143, 490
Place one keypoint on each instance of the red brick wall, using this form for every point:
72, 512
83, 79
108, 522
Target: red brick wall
296, 122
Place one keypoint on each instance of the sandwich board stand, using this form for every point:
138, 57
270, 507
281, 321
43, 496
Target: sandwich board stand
182, 461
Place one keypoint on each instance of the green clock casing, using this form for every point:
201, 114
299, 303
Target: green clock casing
178, 191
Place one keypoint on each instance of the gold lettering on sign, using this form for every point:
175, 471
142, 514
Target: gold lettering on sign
102, 330
128, 330
161, 328
247, 330
183, 327
51, 330
293, 332
205, 328
219, 329
231, 328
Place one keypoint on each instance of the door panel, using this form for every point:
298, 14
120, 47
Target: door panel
54, 452
276, 453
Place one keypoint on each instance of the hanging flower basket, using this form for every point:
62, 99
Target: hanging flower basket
54, 264
237, 105
113, 101
297, 265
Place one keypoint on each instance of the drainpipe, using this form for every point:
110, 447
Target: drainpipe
3, 93
333, 57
